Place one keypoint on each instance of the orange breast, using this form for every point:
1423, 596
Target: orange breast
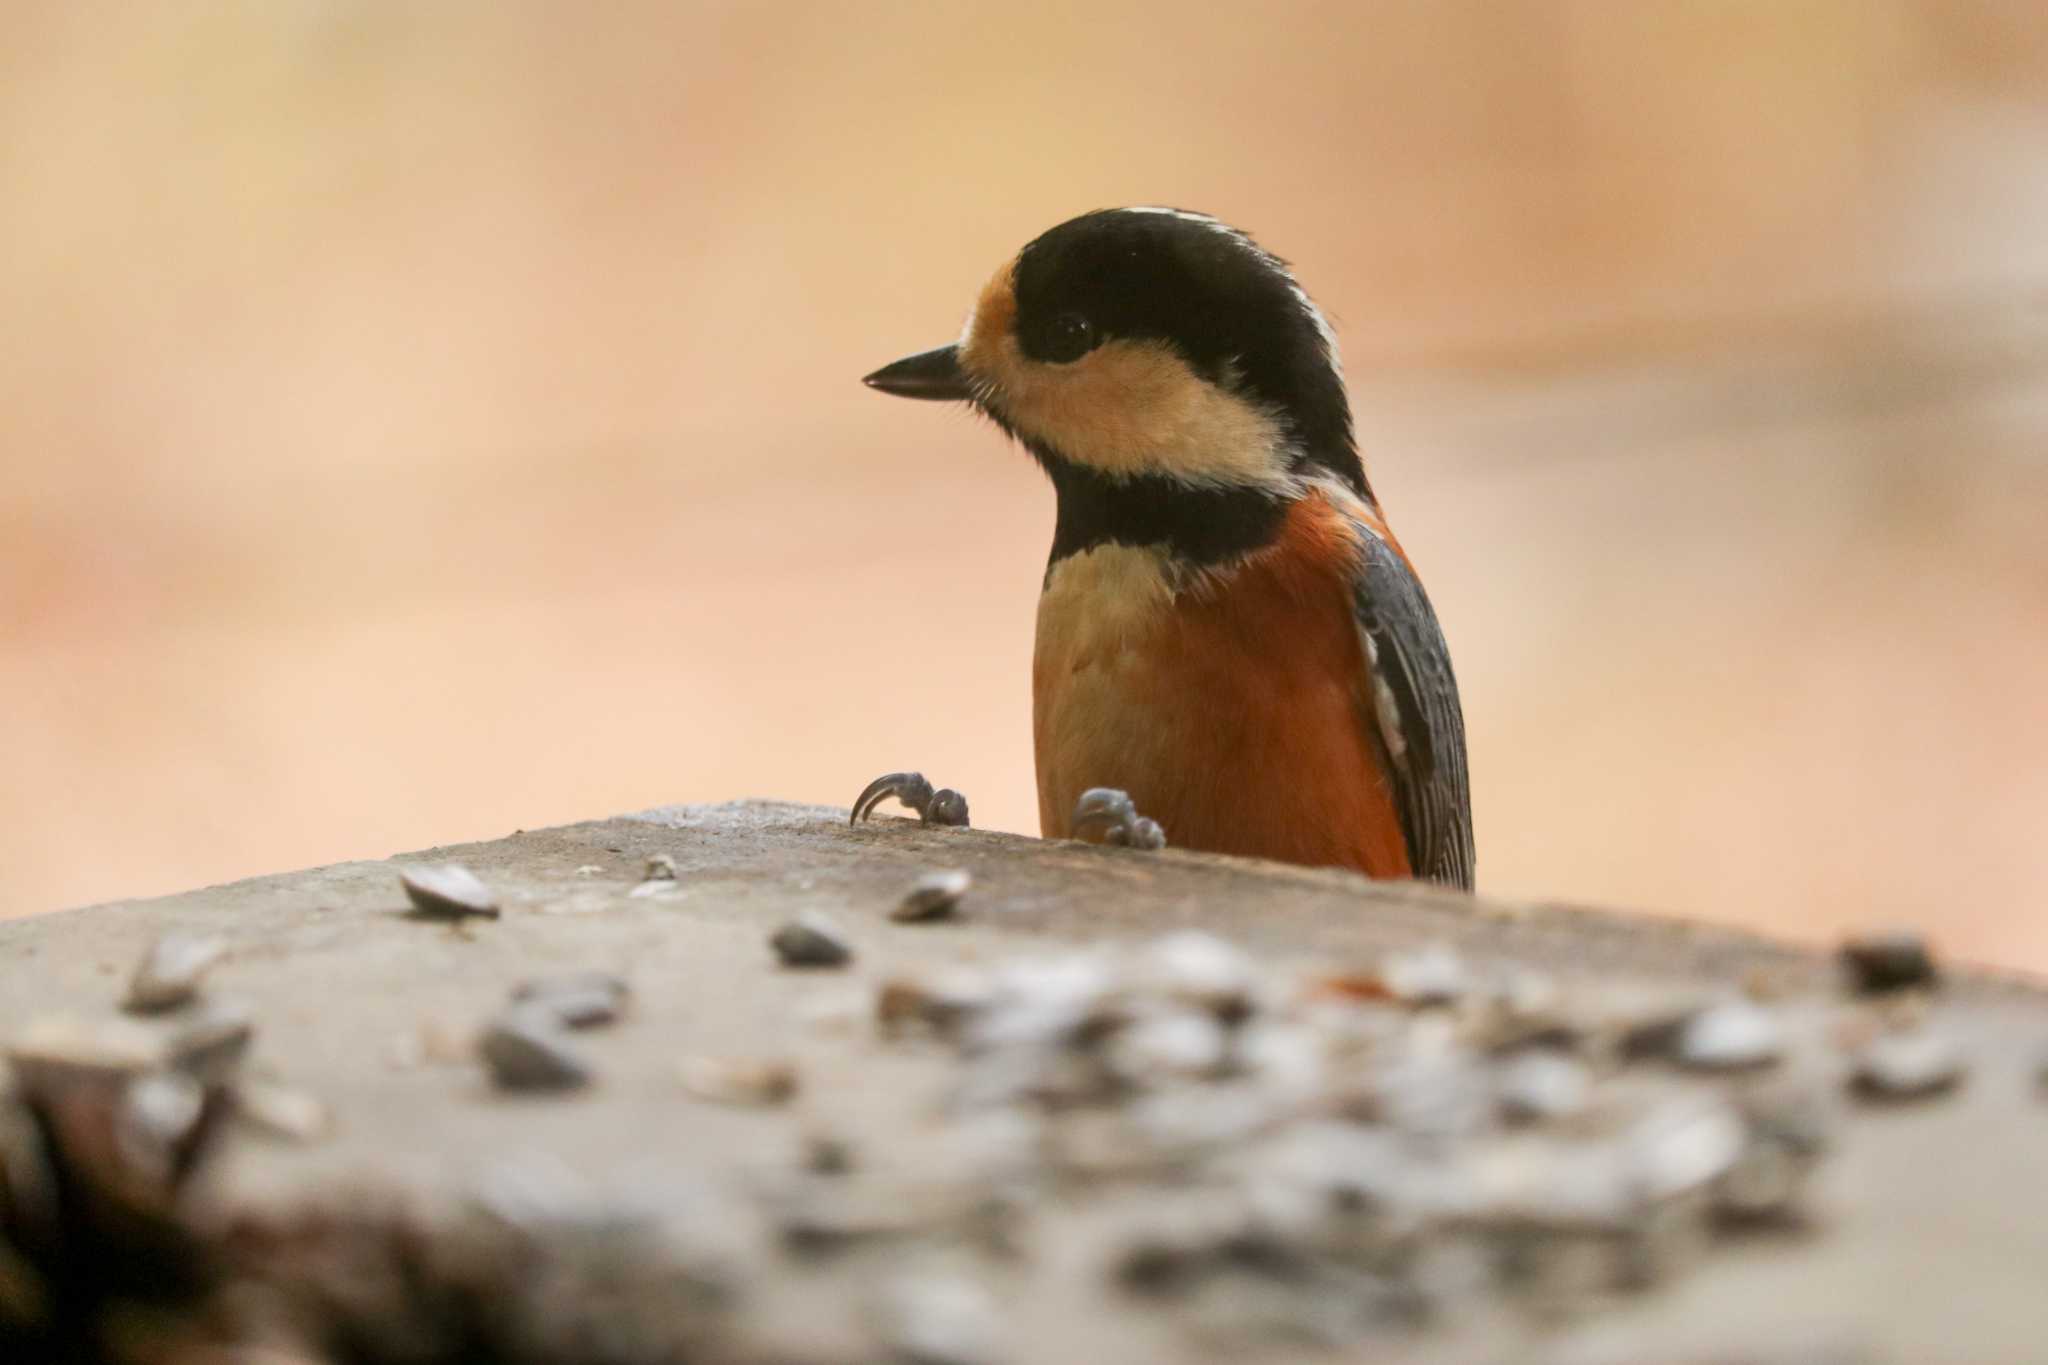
1233, 709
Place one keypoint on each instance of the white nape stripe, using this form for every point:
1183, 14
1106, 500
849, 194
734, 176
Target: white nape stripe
1272, 263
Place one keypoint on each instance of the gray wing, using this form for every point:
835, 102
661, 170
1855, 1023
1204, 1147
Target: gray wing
1415, 705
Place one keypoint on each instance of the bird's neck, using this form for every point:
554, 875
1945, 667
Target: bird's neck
1199, 525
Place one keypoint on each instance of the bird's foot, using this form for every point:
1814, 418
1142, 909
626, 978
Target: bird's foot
1111, 811
941, 807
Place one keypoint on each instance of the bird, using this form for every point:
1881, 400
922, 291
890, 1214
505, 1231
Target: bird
1233, 651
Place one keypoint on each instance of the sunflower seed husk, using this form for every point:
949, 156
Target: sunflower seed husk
936, 895
744, 1081
811, 940
212, 1043
940, 1319
1915, 1064
1734, 1035
524, 1050
1168, 1043
283, 1111
1540, 1085
1429, 976
159, 1112
170, 972
56, 1050
448, 891
943, 1001
1201, 970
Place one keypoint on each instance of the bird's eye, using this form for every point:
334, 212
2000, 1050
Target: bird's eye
1070, 337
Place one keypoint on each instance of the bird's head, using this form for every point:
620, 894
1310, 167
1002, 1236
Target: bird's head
1150, 344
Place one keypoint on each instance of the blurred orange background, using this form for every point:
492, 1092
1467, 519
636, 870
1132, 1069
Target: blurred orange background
424, 421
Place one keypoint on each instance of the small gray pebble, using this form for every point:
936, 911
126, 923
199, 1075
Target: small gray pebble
448, 891
935, 896
1917, 1064
1735, 1035
811, 940
170, 972
524, 1052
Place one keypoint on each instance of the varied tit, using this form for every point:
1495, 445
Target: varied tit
1230, 639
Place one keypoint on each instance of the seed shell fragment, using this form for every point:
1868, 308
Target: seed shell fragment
1735, 1035
524, 1050
745, 1081
282, 1111
935, 896
1915, 1064
811, 940
448, 891
170, 972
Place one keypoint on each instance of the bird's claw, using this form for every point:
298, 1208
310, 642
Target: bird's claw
941, 807
948, 807
1112, 812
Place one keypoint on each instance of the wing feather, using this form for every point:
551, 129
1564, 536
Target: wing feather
1415, 709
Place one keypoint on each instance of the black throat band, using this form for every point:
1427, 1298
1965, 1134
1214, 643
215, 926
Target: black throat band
1197, 525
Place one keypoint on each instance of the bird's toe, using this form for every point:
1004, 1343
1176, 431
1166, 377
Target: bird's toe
909, 788
941, 807
1112, 814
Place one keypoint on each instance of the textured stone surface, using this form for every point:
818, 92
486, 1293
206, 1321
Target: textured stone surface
1928, 1226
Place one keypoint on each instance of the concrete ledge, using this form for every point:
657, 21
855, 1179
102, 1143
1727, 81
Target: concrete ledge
1923, 1234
